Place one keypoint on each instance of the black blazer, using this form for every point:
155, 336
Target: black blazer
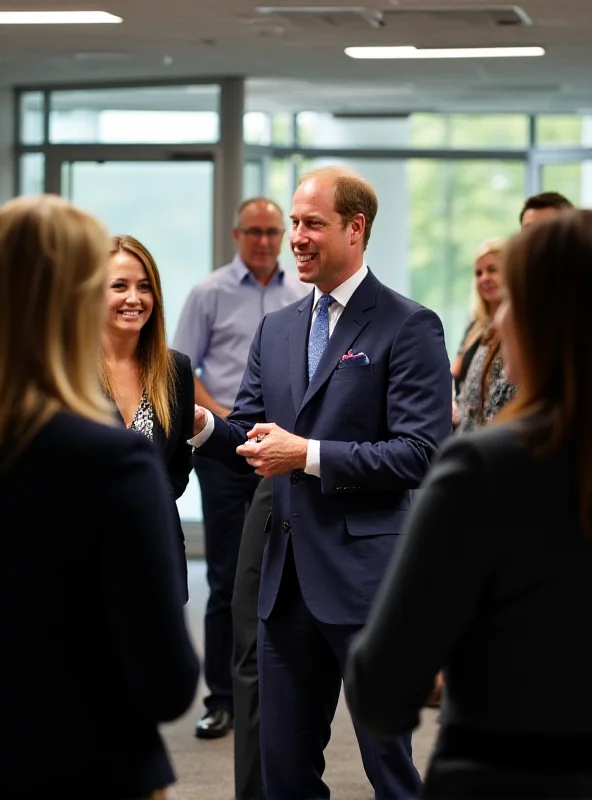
493, 583
95, 649
174, 450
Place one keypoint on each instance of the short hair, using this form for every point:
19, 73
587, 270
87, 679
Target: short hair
157, 365
545, 200
251, 201
53, 269
353, 195
548, 278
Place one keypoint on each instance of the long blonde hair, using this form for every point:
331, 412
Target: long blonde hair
480, 313
53, 271
158, 372
548, 277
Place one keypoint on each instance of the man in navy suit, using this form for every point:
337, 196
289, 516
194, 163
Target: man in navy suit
345, 399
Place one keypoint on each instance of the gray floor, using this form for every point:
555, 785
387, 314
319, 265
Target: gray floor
204, 769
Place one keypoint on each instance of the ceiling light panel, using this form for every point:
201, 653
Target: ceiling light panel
453, 52
57, 18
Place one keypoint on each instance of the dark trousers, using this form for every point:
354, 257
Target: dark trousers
225, 498
301, 665
248, 782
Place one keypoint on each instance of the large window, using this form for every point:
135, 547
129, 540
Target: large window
469, 131
172, 114
452, 207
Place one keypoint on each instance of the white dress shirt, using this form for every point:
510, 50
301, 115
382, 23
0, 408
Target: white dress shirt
342, 295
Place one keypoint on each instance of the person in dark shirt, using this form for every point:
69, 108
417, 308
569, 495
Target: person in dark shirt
95, 648
502, 593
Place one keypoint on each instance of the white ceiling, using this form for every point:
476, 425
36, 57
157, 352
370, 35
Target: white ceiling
297, 61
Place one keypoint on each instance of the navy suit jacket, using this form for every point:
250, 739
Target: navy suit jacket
94, 639
379, 424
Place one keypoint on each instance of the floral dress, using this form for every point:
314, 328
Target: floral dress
143, 421
475, 410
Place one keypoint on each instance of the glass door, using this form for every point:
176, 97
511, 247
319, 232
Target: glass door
169, 207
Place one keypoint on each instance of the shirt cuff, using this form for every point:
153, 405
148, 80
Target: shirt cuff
204, 435
313, 458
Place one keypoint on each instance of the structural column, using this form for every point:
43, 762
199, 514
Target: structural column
7, 143
229, 169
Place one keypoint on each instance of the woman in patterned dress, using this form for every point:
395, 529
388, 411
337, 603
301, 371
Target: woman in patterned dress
151, 384
485, 389
484, 301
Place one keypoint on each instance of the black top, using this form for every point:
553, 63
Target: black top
493, 583
467, 356
174, 450
95, 650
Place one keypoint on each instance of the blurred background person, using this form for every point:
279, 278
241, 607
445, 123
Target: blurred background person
216, 328
95, 650
479, 367
150, 384
511, 578
541, 206
479, 374
484, 302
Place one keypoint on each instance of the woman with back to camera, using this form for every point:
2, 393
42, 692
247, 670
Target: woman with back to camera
151, 385
510, 581
95, 649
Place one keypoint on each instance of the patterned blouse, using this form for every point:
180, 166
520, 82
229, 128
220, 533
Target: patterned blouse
476, 410
143, 421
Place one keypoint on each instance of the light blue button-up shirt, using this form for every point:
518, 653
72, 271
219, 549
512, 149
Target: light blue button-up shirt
220, 319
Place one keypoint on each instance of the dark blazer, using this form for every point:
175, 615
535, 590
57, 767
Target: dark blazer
95, 650
493, 583
174, 450
379, 423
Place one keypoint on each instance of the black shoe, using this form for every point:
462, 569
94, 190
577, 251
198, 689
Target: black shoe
213, 725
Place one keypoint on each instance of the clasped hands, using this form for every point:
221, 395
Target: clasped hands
269, 449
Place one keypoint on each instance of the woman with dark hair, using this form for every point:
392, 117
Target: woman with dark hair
502, 593
151, 385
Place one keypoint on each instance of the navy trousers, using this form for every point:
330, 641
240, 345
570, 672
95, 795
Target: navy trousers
225, 498
301, 665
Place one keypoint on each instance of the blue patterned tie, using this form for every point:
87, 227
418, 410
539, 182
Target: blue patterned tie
319, 334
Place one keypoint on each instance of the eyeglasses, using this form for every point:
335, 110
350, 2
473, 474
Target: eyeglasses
259, 233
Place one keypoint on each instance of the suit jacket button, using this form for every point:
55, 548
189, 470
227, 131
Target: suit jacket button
294, 477
286, 526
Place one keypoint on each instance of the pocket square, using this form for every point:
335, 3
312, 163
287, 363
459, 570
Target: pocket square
351, 359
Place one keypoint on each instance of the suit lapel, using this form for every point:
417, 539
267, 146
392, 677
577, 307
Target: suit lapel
350, 324
298, 337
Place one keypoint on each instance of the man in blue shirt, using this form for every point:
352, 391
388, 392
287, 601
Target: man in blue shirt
216, 328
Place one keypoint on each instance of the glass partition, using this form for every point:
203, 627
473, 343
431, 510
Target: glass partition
316, 129
32, 173
469, 131
573, 180
435, 131
559, 130
31, 120
171, 114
